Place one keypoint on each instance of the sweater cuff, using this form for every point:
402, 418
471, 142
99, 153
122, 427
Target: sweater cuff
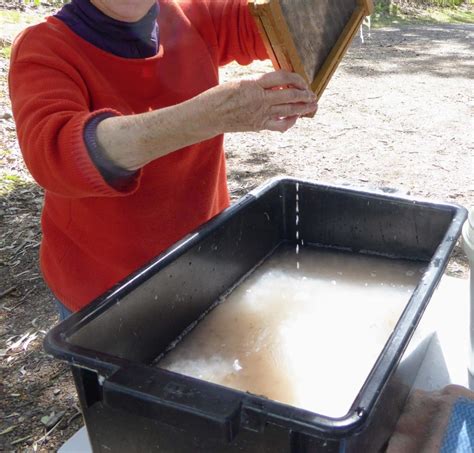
117, 177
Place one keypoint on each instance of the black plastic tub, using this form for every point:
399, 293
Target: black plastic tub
130, 405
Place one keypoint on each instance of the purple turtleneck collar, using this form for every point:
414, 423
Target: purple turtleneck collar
129, 40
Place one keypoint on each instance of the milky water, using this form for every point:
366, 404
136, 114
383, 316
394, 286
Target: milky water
307, 337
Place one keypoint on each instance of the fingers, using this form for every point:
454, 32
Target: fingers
289, 95
284, 117
457, 391
281, 124
274, 101
286, 105
282, 79
288, 110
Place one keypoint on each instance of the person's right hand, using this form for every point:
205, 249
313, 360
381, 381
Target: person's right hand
273, 101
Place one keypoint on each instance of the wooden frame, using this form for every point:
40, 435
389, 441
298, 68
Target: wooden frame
311, 46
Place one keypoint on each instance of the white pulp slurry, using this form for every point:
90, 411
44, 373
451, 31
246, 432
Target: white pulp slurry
306, 337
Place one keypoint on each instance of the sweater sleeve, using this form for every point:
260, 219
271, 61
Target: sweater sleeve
237, 34
115, 176
51, 109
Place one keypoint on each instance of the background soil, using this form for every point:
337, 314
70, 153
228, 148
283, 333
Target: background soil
397, 116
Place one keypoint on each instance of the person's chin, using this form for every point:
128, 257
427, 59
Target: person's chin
124, 10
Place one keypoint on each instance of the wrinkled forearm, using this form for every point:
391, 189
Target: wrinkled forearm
272, 101
133, 141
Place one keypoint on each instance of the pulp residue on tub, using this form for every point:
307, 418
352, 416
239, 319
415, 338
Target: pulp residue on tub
297, 211
307, 337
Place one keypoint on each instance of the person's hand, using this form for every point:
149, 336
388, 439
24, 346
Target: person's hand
273, 101
424, 421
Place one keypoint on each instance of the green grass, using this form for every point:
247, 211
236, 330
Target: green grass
425, 16
452, 15
446, 3
9, 182
8, 16
5, 52
12, 22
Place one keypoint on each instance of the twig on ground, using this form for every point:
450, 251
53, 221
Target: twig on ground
441, 167
74, 416
22, 439
22, 300
8, 430
51, 380
42, 439
22, 273
7, 291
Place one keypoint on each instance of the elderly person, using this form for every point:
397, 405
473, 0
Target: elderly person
120, 119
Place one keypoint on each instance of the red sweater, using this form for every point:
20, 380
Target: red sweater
94, 235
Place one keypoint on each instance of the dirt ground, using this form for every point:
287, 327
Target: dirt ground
397, 116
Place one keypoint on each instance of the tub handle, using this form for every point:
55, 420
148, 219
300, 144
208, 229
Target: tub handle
175, 400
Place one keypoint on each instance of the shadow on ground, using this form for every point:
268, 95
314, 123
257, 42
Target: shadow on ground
438, 50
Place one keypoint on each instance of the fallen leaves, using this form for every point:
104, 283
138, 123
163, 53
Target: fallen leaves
17, 345
52, 419
23, 342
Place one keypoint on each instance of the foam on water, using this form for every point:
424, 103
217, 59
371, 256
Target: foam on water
307, 337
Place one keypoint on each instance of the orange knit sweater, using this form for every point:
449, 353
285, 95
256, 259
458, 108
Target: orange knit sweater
94, 235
